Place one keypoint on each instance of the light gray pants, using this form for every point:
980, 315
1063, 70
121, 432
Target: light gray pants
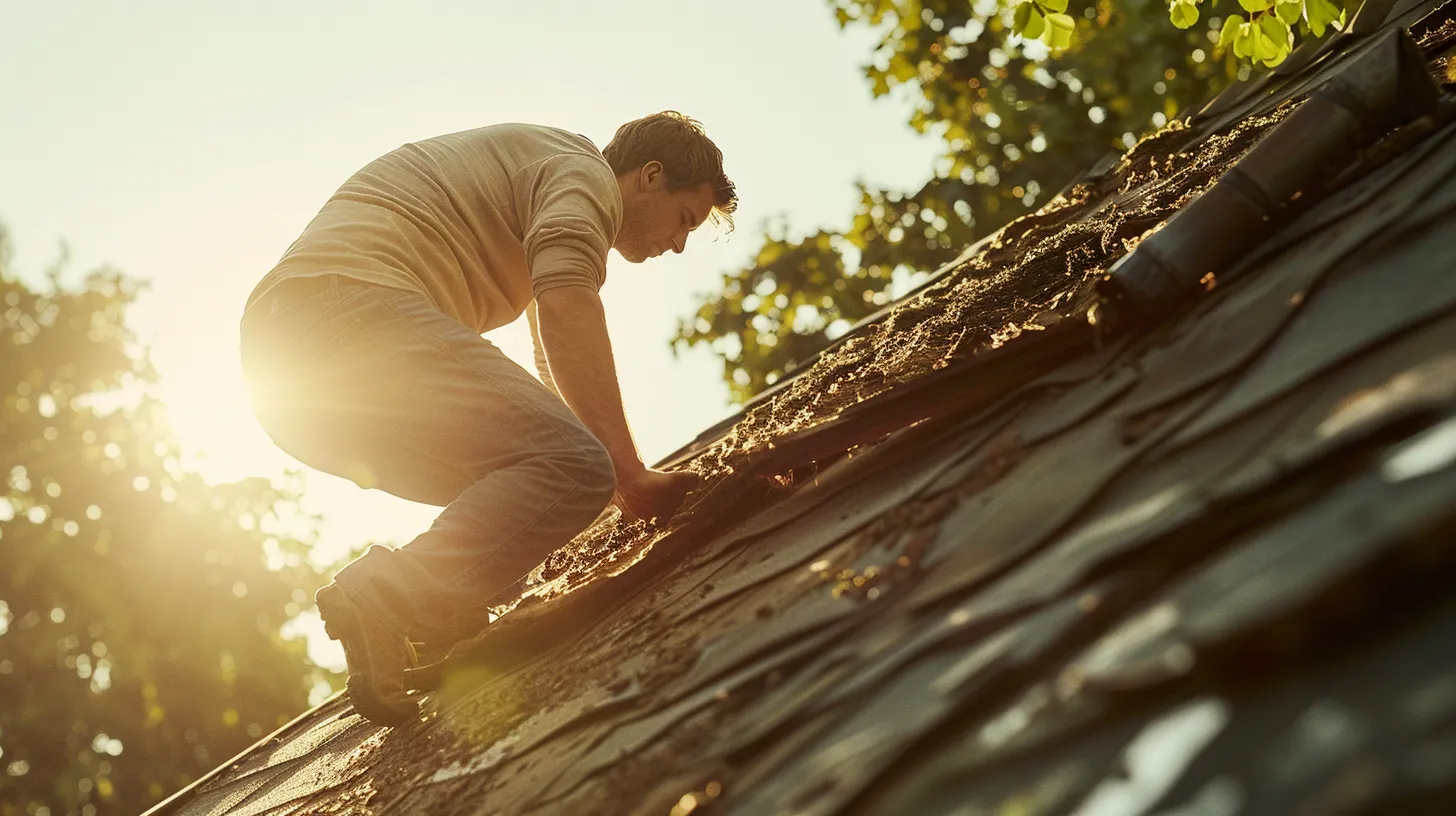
379, 387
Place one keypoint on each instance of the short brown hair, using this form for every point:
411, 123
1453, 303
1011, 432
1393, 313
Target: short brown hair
685, 152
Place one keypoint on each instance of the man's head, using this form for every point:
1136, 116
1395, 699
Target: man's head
672, 180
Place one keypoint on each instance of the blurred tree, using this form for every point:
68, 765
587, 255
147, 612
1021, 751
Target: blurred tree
140, 607
1019, 122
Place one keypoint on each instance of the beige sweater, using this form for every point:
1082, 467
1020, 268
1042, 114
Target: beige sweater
481, 222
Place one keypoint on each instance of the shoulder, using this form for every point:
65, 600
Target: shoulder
523, 140
562, 149
572, 173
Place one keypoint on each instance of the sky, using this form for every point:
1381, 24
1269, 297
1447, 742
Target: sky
188, 143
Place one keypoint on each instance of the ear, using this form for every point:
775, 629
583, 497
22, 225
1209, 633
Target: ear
653, 176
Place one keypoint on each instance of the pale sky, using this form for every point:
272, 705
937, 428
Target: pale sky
188, 142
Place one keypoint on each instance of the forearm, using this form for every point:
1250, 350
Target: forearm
573, 330
538, 351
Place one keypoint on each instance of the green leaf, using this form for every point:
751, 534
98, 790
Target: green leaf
1319, 14
1260, 46
1277, 31
1058, 6
1019, 18
1059, 31
1244, 40
1271, 40
1256, 5
1289, 10
1035, 25
1183, 13
1230, 30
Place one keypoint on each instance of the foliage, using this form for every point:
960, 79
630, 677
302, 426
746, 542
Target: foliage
140, 607
1267, 33
1047, 21
1020, 115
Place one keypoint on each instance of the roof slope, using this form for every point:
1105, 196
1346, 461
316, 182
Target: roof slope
988, 555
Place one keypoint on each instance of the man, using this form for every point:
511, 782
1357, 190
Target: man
364, 358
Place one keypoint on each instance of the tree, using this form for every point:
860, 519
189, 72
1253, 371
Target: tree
140, 607
1020, 118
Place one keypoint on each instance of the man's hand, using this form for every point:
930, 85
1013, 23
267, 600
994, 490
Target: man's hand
648, 493
578, 350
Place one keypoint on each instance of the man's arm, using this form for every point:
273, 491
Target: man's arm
543, 368
573, 330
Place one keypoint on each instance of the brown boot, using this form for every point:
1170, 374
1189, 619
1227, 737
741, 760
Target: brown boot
377, 657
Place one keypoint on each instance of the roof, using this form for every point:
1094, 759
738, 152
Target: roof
1146, 503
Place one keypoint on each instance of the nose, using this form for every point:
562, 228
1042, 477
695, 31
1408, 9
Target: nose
679, 242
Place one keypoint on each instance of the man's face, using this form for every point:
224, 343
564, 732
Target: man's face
655, 220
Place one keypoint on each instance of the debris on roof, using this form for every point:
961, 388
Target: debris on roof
1141, 507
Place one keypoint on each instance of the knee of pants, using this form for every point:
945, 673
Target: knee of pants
591, 468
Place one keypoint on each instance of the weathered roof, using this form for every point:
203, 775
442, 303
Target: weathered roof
988, 555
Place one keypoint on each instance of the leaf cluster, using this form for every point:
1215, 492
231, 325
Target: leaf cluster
1046, 20
1266, 32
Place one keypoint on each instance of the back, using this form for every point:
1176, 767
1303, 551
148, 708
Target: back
478, 221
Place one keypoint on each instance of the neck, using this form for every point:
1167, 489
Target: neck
624, 186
